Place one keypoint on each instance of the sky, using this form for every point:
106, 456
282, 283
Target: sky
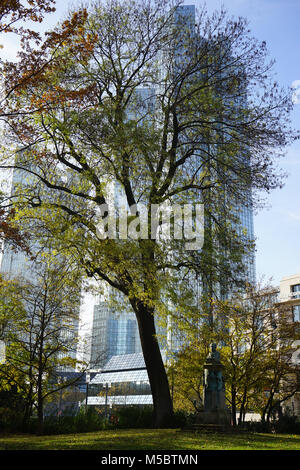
277, 227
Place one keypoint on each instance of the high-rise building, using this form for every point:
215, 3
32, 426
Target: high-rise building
16, 264
19, 265
113, 333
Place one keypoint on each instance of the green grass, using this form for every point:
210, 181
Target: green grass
150, 439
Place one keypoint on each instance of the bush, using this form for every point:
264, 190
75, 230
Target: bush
86, 420
133, 417
179, 419
284, 425
258, 426
142, 417
10, 420
287, 425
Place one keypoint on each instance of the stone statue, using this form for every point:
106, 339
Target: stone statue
214, 386
214, 410
214, 355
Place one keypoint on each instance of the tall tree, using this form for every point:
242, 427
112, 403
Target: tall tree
137, 100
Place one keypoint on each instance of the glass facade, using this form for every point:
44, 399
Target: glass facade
296, 313
122, 381
18, 265
15, 264
295, 291
113, 333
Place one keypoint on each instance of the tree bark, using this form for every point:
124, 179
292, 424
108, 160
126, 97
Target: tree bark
233, 406
40, 406
162, 402
40, 413
27, 414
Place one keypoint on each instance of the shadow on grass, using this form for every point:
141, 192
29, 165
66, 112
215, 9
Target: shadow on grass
145, 439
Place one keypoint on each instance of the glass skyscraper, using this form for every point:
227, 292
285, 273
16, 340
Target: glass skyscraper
20, 266
16, 264
113, 333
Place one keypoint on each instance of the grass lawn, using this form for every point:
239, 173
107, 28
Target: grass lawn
151, 439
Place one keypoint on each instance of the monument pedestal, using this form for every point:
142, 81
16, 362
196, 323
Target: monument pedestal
215, 412
221, 417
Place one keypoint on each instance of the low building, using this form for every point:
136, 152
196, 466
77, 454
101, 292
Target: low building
122, 381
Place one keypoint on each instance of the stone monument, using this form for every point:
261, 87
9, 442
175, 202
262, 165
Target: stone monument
214, 411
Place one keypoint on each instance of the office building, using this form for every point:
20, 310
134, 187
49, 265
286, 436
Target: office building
122, 381
114, 333
289, 296
21, 266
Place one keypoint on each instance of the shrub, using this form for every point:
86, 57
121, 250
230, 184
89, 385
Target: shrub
133, 417
85, 420
142, 417
287, 425
10, 420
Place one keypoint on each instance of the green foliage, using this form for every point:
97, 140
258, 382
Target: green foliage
256, 338
286, 424
142, 417
134, 417
11, 420
283, 424
38, 318
85, 420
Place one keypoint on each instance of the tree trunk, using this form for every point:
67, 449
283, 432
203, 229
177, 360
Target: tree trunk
40, 400
233, 406
242, 409
40, 413
27, 415
162, 402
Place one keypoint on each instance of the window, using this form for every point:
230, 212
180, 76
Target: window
295, 289
296, 313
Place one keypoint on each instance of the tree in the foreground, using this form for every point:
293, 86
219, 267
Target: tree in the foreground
143, 103
40, 329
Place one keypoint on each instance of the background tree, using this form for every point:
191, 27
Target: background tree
259, 340
14, 14
248, 334
191, 137
256, 337
43, 338
186, 378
